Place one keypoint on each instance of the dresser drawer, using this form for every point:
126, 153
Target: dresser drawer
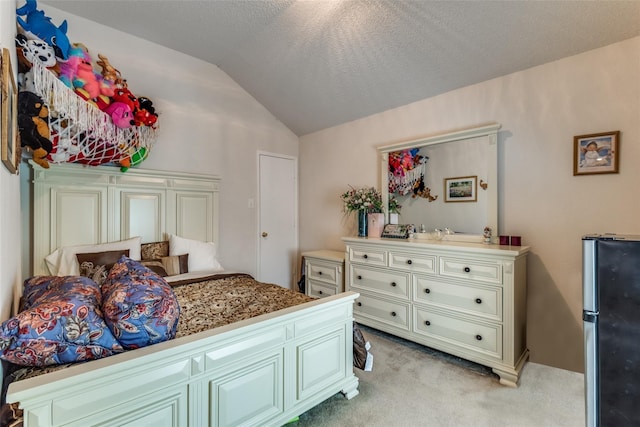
413, 262
320, 289
389, 312
472, 269
485, 301
384, 281
361, 255
478, 337
325, 272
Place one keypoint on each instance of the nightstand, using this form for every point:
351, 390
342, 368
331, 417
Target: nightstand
324, 272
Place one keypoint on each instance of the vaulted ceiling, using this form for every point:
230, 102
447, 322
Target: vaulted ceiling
319, 63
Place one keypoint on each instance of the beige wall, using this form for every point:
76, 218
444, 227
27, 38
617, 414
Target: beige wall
540, 110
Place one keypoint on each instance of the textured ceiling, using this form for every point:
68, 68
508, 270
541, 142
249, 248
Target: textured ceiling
319, 63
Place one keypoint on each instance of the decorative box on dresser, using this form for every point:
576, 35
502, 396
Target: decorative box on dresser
465, 299
324, 273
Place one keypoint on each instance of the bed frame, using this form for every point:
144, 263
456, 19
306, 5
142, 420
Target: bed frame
261, 371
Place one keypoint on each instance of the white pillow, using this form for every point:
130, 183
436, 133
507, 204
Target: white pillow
63, 261
202, 255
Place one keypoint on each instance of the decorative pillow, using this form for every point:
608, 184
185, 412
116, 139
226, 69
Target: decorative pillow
62, 324
168, 265
139, 307
202, 255
155, 250
96, 265
63, 262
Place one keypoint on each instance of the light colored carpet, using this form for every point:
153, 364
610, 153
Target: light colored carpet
412, 385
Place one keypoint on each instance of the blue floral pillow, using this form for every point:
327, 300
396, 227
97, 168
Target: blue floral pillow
139, 306
61, 323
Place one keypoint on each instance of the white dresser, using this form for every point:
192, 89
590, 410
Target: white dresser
324, 273
466, 299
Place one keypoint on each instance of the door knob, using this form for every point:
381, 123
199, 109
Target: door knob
265, 234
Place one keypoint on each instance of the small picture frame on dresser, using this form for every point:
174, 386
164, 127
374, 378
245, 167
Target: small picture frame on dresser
397, 231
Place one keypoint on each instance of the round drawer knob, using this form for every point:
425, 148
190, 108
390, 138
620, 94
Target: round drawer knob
409, 262
319, 273
427, 323
467, 269
320, 292
394, 284
478, 301
479, 337
359, 304
365, 256
427, 291
393, 313
359, 277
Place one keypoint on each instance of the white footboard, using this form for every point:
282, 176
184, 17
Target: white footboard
262, 371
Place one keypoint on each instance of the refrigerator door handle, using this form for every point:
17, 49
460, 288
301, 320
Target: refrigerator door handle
591, 374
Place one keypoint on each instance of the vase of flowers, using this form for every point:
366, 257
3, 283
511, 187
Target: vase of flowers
363, 201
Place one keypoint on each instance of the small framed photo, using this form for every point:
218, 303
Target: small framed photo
10, 150
596, 153
397, 231
461, 189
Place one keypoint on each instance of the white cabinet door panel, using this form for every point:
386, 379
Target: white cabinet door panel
78, 216
141, 214
248, 396
193, 212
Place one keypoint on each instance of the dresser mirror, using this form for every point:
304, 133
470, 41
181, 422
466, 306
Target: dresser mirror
455, 190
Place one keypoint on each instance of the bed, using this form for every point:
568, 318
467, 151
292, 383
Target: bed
259, 369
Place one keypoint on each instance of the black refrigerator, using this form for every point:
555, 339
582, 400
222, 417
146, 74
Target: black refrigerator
611, 319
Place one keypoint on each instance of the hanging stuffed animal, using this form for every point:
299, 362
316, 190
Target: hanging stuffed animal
33, 127
40, 25
34, 50
146, 114
121, 114
109, 73
77, 73
135, 159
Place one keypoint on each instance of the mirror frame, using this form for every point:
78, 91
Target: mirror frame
490, 131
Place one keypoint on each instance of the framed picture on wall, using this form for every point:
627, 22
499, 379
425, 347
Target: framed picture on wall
596, 153
461, 189
10, 150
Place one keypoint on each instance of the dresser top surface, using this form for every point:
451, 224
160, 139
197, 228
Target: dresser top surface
439, 245
325, 255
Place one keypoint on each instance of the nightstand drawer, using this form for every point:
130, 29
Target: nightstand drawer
413, 262
368, 256
384, 281
485, 301
484, 338
464, 268
324, 272
320, 290
392, 313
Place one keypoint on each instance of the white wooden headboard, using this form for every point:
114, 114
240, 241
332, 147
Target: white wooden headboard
75, 204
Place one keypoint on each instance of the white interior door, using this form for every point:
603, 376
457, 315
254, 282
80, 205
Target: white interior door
278, 219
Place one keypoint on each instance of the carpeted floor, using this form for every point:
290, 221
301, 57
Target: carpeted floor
412, 385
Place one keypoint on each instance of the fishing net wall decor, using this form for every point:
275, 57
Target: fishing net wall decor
80, 131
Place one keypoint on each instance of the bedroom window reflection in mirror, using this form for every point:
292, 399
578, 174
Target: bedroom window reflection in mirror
415, 173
